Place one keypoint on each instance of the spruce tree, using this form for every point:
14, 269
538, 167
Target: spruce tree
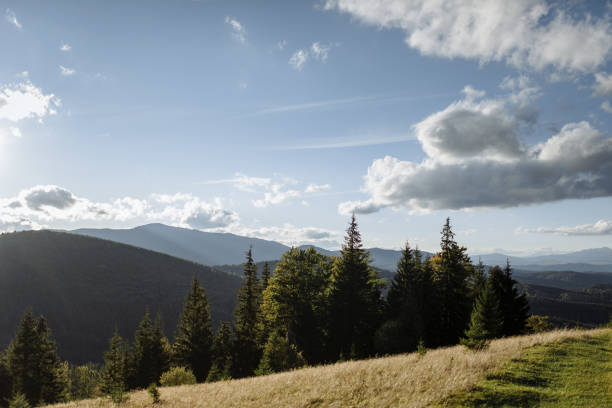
35, 368
279, 355
114, 372
193, 339
513, 306
222, 354
404, 303
247, 350
452, 269
143, 355
161, 349
354, 299
486, 320
54, 381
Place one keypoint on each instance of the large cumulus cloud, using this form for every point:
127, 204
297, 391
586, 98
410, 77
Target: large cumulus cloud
475, 158
523, 33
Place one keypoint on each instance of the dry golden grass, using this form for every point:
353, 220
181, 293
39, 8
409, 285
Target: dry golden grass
409, 380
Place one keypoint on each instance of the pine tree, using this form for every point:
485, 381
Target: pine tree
354, 299
513, 306
247, 350
295, 301
193, 339
222, 354
451, 271
53, 375
23, 359
114, 376
478, 280
35, 368
404, 303
486, 319
143, 355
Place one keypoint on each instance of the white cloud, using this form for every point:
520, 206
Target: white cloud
533, 33
317, 188
298, 59
475, 158
281, 44
23, 75
24, 100
603, 84
601, 227
65, 47
320, 51
238, 31
317, 51
188, 211
11, 17
606, 106
289, 234
66, 71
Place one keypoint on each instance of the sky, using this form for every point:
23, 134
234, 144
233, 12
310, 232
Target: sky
278, 119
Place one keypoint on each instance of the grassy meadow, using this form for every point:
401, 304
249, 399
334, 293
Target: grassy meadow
439, 377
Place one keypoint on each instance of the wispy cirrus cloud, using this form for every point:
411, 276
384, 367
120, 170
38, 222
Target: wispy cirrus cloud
317, 51
66, 71
65, 47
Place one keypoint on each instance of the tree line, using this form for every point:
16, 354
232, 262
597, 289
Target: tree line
313, 309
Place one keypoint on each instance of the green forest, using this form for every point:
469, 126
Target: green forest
311, 309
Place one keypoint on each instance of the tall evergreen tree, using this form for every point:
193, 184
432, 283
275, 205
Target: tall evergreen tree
54, 382
35, 368
478, 280
114, 372
193, 339
513, 306
222, 354
295, 301
451, 269
247, 351
405, 302
354, 299
485, 321
145, 355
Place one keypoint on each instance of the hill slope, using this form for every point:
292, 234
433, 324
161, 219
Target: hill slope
408, 380
85, 286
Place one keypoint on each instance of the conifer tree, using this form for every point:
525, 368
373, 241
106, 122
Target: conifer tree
405, 300
295, 301
53, 375
451, 270
143, 355
478, 280
513, 306
354, 299
193, 339
6, 381
486, 319
247, 350
114, 372
35, 367
222, 354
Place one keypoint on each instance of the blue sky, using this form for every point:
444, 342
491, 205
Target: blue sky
278, 119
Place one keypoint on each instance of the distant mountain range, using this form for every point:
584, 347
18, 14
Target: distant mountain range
210, 248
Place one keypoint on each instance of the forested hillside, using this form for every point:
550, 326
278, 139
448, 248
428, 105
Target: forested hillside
86, 286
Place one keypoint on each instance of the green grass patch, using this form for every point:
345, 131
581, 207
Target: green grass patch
573, 373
